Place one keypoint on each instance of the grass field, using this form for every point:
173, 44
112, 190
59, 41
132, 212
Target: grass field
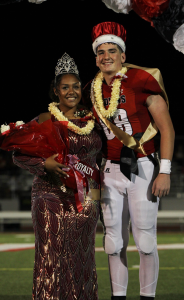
16, 270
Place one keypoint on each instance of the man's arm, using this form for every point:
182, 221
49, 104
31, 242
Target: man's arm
159, 111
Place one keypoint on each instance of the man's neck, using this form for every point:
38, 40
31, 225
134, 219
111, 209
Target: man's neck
109, 76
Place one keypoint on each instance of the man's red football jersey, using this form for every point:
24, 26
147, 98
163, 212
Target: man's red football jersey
132, 114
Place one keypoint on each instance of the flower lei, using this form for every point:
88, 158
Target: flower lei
60, 117
107, 113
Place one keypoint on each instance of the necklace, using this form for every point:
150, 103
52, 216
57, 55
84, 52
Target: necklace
60, 117
80, 113
97, 86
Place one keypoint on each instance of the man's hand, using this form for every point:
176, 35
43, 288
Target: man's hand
161, 185
53, 166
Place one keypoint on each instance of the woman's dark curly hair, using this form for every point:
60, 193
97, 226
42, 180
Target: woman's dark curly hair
55, 83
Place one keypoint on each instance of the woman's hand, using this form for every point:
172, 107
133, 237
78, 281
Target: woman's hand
53, 166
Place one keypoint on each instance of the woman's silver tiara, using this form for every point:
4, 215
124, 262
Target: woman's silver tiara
65, 65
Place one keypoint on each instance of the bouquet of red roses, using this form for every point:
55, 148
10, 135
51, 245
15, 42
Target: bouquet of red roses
44, 140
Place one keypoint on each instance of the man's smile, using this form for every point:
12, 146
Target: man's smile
107, 63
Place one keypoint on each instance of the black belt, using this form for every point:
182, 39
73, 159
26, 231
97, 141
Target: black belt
128, 160
117, 162
151, 158
126, 167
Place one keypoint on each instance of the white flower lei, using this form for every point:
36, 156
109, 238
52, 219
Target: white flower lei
107, 113
60, 117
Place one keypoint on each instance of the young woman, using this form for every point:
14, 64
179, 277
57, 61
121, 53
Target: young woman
64, 235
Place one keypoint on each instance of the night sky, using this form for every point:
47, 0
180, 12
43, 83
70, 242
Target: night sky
34, 36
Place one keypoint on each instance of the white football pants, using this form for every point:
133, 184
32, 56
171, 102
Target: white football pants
121, 200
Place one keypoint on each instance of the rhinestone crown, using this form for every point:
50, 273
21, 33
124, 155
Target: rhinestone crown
66, 64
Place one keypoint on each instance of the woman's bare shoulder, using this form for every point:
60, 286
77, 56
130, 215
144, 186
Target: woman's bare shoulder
44, 117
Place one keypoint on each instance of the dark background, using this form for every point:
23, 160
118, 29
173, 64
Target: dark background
34, 36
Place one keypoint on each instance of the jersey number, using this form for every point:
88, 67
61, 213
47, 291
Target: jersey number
120, 121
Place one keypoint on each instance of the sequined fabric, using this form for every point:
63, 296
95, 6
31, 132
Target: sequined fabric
64, 239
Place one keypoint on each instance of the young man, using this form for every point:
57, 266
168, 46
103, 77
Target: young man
129, 105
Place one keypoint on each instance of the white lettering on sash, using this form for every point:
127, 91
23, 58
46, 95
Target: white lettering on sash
84, 169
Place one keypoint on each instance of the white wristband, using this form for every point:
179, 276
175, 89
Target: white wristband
165, 166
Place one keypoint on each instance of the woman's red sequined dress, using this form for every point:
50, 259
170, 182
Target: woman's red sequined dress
64, 265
